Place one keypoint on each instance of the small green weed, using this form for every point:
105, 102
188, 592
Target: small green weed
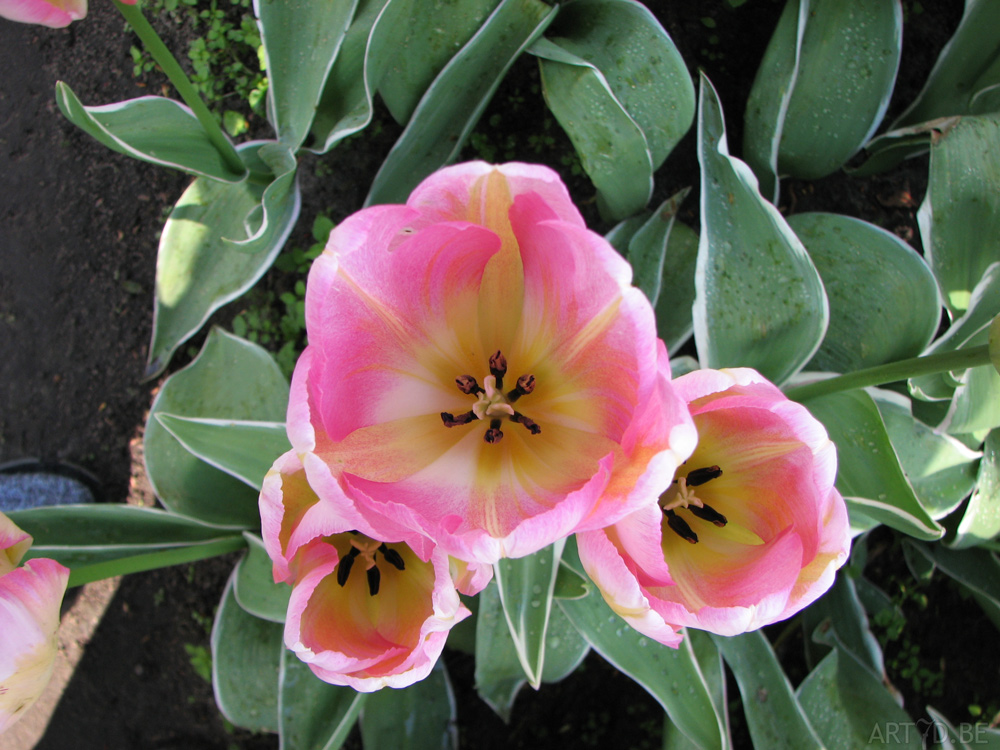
226, 58
201, 661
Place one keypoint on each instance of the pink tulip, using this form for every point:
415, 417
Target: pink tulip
52, 13
751, 531
481, 370
30, 597
366, 611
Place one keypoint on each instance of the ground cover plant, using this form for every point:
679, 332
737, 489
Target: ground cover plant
811, 293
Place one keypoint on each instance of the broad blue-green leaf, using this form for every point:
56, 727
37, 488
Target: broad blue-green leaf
889, 149
450, 109
77, 535
960, 217
565, 648
419, 717
774, 716
884, 301
868, 473
844, 56
845, 703
674, 322
982, 307
672, 676
975, 405
432, 37
230, 379
759, 301
246, 655
301, 40
371, 43
254, 586
978, 570
199, 266
272, 219
313, 715
499, 674
612, 148
526, 586
610, 68
569, 584
245, 450
152, 129
844, 625
648, 247
713, 671
941, 470
967, 65
981, 520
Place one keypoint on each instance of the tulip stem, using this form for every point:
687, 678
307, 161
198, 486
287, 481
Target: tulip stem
895, 371
165, 59
163, 559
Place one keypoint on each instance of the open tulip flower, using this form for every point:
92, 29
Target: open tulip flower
752, 529
30, 597
52, 13
364, 612
481, 370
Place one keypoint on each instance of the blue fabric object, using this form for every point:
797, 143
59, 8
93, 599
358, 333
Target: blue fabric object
33, 489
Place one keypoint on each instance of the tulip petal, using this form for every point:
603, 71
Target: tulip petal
30, 597
13, 544
52, 13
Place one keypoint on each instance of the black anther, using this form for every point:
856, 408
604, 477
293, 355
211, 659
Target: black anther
346, 563
450, 420
518, 417
525, 385
708, 513
374, 579
680, 527
699, 477
392, 557
493, 435
498, 368
468, 385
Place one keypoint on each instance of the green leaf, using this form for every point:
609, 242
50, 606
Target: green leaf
301, 40
671, 676
617, 84
891, 148
975, 405
230, 379
370, 45
499, 674
714, 672
242, 449
967, 65
246, 654
941, 470
526, 586
981, 520
432, 37
565, 648
774, 716
746, 252
836, 65
419, 717
983, 305
848, 705
966, 736
960, 217
569, 584
844, 625
647, 248
884, 301
450, 109
78, 535
869, 475
152, 129
314, 715
199, 267
254, 586
674, 322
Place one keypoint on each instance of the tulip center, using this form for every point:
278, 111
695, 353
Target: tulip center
368, 550
492, 404
682, 496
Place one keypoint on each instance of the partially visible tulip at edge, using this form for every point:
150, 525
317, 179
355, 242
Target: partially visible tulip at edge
367, 610
480, 369
53, 13
30, 597
752, 529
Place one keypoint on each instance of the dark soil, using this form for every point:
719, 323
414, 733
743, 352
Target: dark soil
79, 234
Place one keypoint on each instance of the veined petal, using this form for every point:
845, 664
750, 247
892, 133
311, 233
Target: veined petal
52, 13
30, 597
